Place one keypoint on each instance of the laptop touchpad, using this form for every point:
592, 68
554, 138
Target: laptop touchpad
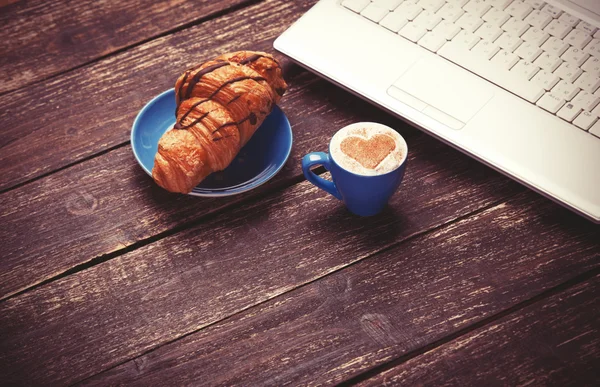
446, 87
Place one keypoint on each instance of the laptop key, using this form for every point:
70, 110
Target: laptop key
427, 20
465, 40
555, 46
356, 5
548, 61
592, 65
579, 39
565, 90
575, 56
450, 12
538, 19
515, 26
588, 82
374, 12
394, 21
535, 36
593, 48
496, 17
469, 22
551, 102
596, 111
569, 112
505, 60
586, 27
585, 120
447, 29
509, 42
595, 129
558, 29
585, 100
412, 32
500, 4
553, 11
545, 79
536, 4
477, 7
459, 3
432, 41
390, 5
528, 51
409, 10
489, 32
485, 49
525, 69
519, 9
431, 5
568, 71
569, 19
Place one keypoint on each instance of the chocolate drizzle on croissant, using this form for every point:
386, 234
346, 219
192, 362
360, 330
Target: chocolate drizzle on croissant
220, 104
178, 124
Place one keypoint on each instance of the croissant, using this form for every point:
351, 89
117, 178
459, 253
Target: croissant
220, 104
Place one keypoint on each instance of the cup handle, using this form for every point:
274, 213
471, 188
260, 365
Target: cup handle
319, 158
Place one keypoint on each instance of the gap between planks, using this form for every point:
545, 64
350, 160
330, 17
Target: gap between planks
182, 27
560, 288
183, 226
157, 237
67, 166
408, 239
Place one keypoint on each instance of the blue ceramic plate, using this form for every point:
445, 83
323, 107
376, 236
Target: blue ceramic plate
262, 157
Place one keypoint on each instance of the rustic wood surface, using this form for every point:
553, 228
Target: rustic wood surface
42, 38
251, 241
383, 307
107, 279
556, 342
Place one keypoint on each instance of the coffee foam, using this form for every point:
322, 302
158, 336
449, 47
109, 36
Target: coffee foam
366, 149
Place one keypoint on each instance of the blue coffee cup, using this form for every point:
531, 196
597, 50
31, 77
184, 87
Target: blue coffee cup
363, 195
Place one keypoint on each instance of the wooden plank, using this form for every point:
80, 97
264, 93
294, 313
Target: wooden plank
66, 212
228, 262
553, 342
92, 108
42, 38
4, 3
378, 309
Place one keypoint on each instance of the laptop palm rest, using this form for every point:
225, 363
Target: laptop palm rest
444, 92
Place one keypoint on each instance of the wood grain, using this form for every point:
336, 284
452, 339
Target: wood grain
228, 262
42, 38
553, 342
4, 3
383, 307
66, 212
65, 119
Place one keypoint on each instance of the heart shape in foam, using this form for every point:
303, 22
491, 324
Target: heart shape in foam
368, 152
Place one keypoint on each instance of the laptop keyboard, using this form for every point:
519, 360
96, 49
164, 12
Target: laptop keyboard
530, 48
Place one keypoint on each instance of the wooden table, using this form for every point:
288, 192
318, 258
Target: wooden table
467, 278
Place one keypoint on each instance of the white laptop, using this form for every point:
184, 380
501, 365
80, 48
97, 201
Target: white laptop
515, 84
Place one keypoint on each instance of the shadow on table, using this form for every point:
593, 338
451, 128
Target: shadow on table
366, 233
